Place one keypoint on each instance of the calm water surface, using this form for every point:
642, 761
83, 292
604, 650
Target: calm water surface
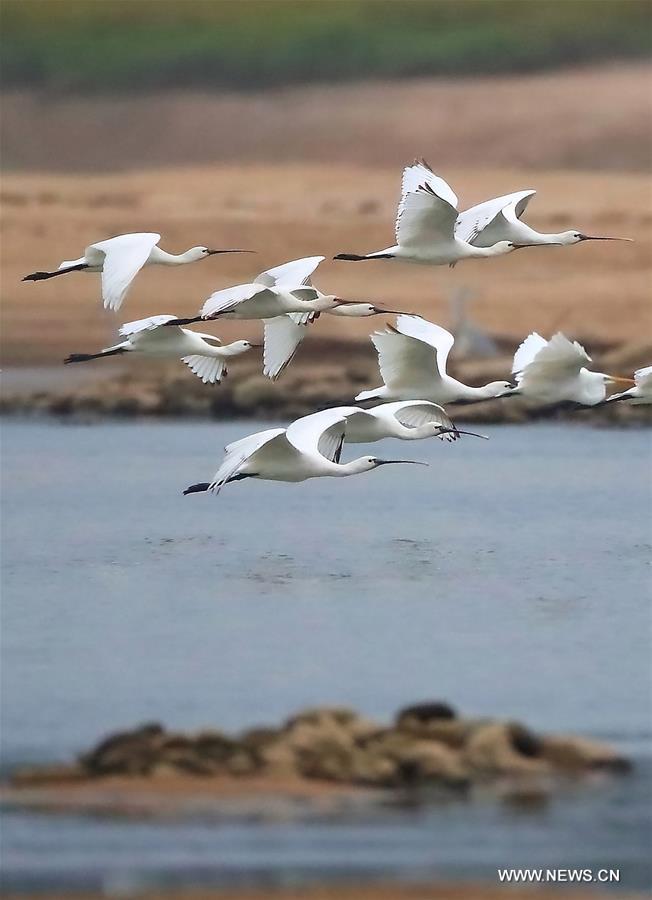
511, 578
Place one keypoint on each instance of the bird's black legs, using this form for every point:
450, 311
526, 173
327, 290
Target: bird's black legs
84, 357
42, 276
354, 256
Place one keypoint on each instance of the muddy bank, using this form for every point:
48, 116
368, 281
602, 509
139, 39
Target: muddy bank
319, 761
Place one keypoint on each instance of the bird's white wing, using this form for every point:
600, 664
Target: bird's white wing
140, 325
421, 173
124, 257
290, 274
527, 350
429, 333
228, 299
238, 452
491, 216
211, 338
414, 413
404, 362
321, 432
209, 368
558, 359
283, 334
428, 207
643, 377
424, 218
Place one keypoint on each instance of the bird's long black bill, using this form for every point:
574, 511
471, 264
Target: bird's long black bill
484, 437
215, 252
591, 237
395, 462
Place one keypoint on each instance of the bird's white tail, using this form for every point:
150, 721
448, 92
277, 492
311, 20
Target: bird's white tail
209, 368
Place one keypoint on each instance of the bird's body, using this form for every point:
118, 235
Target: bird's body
551, 373
499, 219
308, 448
119, 259
412, 359
425, 225
641, 393
204, 354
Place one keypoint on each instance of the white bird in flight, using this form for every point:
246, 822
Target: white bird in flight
275, 292
308, 448
204, 354
499, 219
412, 360
121, 258
554, 373
641, 393
425, 225
407, 420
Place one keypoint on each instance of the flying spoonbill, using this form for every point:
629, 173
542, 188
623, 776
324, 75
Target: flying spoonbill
202, 353
641, 393
284, 289
412, 361
121, 258
499, 219
425, 225
308, 448
407, 420
550, 373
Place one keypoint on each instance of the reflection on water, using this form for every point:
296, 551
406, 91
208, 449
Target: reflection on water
510, 578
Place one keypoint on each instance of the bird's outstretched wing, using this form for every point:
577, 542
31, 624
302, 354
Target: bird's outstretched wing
558, 359
238, 452
290, 274
124, 257
414, 413
491, 218
141, 325
438, 338
427, 210
527, 350
321, 432
283, 334
228, 299
209, 368
404, 362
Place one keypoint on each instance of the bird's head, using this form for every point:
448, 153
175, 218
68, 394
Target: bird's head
498, 388
574, 237
361, 310
373, 462
244, 346
197, 253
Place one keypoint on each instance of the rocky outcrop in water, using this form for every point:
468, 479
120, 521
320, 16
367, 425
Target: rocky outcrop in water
427, 744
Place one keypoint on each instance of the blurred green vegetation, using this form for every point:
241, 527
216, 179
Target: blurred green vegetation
143, 44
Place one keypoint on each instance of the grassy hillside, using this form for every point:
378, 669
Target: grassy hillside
136, 44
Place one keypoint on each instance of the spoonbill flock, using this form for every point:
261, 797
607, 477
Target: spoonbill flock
412, 353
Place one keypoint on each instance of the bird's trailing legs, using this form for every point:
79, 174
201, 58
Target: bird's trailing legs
42, 276
85, 357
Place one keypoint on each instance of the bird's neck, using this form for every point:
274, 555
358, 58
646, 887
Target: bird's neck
173, 259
